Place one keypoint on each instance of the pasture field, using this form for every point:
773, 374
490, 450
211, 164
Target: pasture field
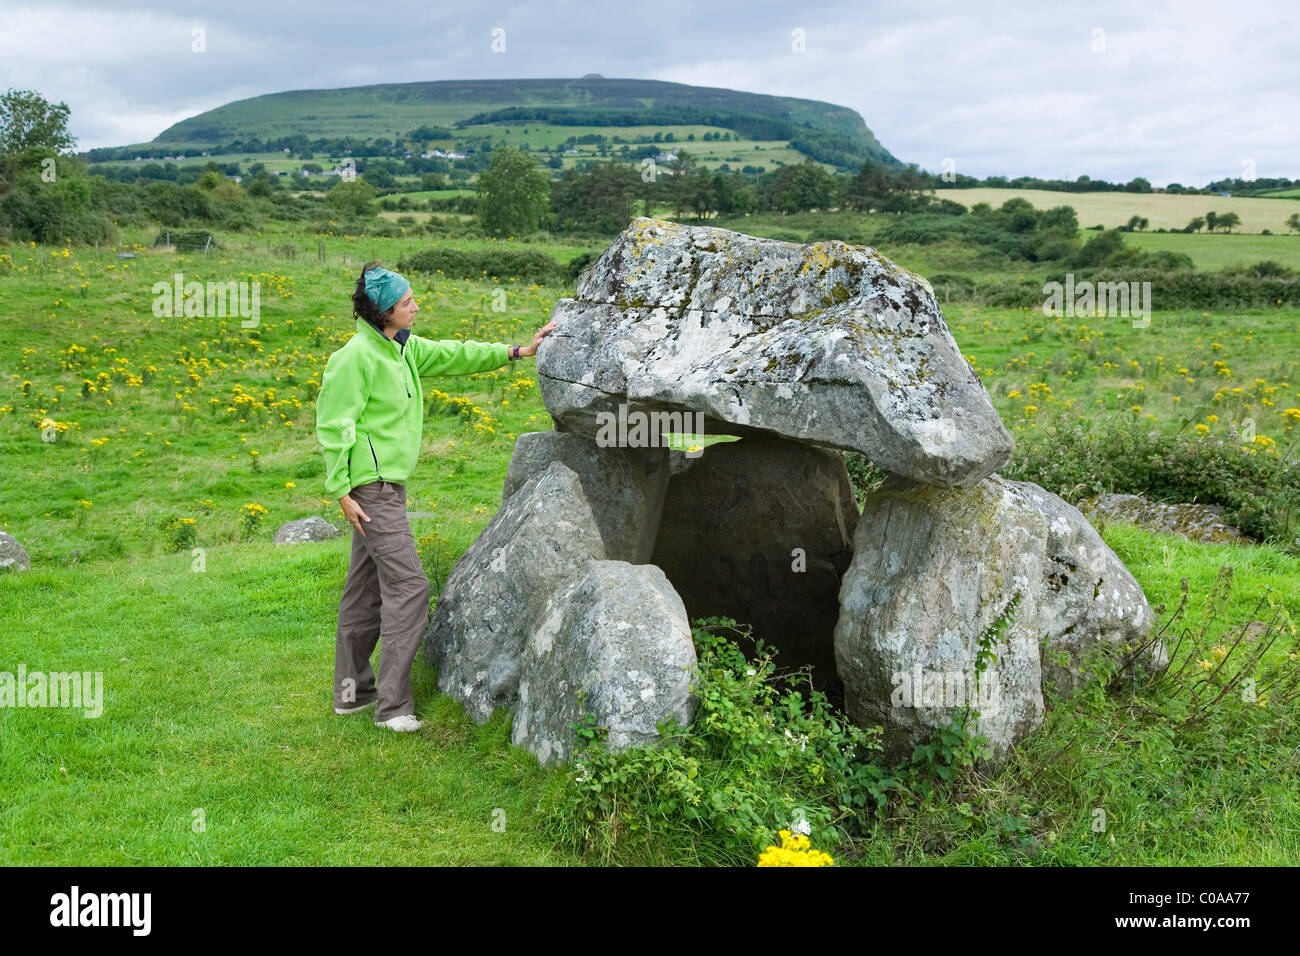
712, 154
175, 433
1221, 250
1163, 210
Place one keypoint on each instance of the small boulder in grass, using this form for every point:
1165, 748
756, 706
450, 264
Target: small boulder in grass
1194, 521
12, 555
306, 529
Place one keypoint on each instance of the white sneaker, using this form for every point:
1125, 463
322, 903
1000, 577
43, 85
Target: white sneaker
404, 722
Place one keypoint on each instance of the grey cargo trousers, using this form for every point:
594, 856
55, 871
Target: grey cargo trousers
386, 591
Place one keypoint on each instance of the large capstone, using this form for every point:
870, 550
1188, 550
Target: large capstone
825, 343
935, 569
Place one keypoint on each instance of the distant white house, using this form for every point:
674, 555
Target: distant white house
439, 154
666, 157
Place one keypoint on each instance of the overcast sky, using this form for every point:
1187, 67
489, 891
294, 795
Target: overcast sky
1186, 92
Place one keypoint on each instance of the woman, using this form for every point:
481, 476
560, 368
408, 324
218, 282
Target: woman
369, 420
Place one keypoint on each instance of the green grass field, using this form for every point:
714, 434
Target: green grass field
1208, 251
1163, 210
217, 682
1220, 250
711, 155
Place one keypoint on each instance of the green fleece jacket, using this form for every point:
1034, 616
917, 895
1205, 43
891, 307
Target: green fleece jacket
370, 410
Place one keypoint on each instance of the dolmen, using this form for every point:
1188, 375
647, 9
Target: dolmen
949, 590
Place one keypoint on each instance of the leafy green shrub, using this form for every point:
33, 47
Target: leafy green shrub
717, 792
1258, 490
825, 233
1187, 289
1268, 269
754, 760
864, 475
529, 265
579, 263
1016, 230
465, 205
1174, 285
948, 286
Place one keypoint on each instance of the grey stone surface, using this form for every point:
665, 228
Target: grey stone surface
499, 588
933, 568
13, 557
619, 632
1197, 522
623, 486
305, 529
761, 530
824, 343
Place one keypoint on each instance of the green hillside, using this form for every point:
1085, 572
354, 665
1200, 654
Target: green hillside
392, 110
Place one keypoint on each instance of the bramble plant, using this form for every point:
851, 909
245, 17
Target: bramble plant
711, 792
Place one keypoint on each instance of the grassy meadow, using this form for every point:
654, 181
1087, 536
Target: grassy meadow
172, 434
1163, 210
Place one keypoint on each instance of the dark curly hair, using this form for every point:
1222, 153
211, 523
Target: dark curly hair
363, 308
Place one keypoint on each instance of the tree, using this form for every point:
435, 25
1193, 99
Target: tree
1138, 185
601, 197
28, 121
1228, 220
1195, 225
1293, 223
352, 198
801, 188
45, 195
869, 188
259, 185
681, 168
513, 193
380, 177
1098, 249
1210, 219
212, 180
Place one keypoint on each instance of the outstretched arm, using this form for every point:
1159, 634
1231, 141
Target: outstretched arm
449, 357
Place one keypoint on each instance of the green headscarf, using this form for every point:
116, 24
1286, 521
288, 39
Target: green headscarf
385, 288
